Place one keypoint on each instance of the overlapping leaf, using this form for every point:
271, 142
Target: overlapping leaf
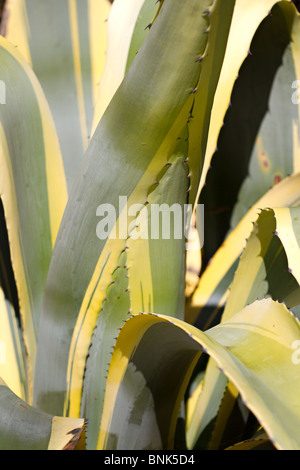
32, 188
246, 18
126, 32
253, 349
154, 157
25, 428
276, 152
267, 267
283, 157
12, 351
259, 138
212, 291
65, 43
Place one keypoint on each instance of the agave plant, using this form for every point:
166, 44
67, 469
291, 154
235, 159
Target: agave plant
113, 337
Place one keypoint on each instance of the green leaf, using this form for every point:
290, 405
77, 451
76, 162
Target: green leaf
126, 31
268, 266
278, 131
12, 350
270, 259
246, 18
254, 349
259, 138
25, 428
154, 158
32, 187
144, 22
212, 291
65, 43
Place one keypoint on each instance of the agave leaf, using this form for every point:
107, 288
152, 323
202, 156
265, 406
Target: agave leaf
147, 15
126, 31
270, 258
215, 280
253, 349
25, 428
12, 351
32, 188
246, 17
155, 157
212, 291
268, 266
267, 147
68, 63
253, 444
202, 406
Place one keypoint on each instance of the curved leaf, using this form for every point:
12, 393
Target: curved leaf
123, 34
32, 187
154, 158
65, 43
268, 266
253, 349
12, 351
212, 291
271, 260
265, 119
246, 18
